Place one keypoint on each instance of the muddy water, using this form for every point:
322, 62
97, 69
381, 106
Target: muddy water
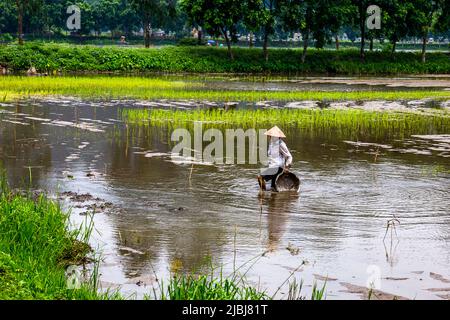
154, 215
330, 83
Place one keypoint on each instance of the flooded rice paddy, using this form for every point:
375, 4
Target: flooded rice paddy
154, 215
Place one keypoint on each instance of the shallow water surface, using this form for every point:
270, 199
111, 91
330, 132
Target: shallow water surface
165, 215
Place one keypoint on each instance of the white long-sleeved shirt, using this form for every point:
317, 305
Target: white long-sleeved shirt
278, 154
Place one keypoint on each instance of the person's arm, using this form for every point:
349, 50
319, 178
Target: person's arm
286, 154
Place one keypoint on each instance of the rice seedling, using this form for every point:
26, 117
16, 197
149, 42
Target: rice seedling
343, 123
13, 87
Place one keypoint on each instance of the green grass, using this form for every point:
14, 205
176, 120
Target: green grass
36, 246
205, 287
14, 87
210, 283
64, 57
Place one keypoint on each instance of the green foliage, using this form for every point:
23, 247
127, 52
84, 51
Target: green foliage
188, 42
315, 19
6, 37
52, 57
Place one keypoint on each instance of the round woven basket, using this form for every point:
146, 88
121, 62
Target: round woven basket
287, 181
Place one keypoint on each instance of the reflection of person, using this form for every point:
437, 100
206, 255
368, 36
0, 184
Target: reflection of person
278, 207
279, 158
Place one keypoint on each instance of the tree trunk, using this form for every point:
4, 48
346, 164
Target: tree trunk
424, 48
362, 27
227, 40
147, 33
336, 38
250, 45
394, 46
20, 21
265, 44
305, 45
199, 36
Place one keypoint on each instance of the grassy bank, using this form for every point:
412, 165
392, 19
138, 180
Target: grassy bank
36, 246
13, 87
62, 57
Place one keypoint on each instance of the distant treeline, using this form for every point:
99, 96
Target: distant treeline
317, 21
54, 58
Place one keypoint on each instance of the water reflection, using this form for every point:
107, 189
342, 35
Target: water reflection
277, 207
165, 218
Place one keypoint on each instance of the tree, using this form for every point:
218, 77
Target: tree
37, 16
396, 20
339, 14
108, 11
298, 15
253, 17
8, 18
218, 17
318, 18
261, 15
424, 17
443, 21
154, 13
361, 9
21, 6
128, 19
328, 17
195, 11
87, 21
55, 15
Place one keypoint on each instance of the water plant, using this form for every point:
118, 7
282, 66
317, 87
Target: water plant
208, 287
115, 87
210, 283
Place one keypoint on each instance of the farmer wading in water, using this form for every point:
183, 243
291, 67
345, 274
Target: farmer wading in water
279, 158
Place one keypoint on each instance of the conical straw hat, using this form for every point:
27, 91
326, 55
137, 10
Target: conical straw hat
275, 132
